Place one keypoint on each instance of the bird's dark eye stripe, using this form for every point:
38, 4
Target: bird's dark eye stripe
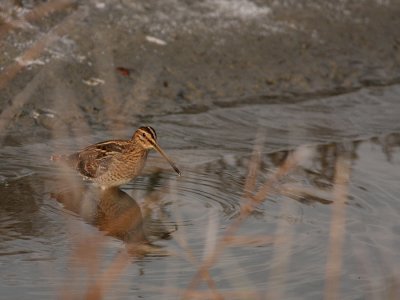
152, 132
149, 130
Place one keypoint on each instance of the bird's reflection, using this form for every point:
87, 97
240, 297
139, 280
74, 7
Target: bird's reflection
119, 215
114, 212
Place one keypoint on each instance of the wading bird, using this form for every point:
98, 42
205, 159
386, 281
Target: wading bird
115, 162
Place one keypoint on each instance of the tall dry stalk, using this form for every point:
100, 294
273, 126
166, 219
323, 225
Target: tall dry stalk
337, 230
40, 45
253, 199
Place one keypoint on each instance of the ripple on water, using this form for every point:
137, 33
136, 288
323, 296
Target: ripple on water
303, 218
191, 212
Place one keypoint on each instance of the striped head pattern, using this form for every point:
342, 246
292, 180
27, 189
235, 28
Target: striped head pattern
146, 136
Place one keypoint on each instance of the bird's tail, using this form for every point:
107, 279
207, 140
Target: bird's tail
58, 157
69, 160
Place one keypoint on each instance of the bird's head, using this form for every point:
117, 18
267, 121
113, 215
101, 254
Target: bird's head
147, 138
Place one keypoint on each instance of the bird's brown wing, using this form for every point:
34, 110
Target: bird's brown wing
95, 160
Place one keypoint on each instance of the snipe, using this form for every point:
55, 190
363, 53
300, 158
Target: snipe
115, 162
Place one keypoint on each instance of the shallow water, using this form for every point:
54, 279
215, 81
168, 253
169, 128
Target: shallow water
53, 225
218, 80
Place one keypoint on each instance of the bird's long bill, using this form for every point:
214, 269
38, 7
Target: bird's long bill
158, 148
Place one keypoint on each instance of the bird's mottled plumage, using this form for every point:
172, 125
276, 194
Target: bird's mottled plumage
115, 162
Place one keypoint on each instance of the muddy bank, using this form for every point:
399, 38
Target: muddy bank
184, 56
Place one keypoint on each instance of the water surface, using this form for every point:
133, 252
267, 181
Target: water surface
219, 80
58, 233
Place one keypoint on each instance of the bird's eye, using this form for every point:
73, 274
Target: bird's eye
144, 135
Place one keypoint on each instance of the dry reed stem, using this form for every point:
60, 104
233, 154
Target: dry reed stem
191, 258
104, 64
254, 166
235, 241
240, 294
246, 210
140, 92
86, 254
105, 280
15, 108
368, 269
281, 257
337, 230
67, 99
182, 242
40, 11
40, 45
